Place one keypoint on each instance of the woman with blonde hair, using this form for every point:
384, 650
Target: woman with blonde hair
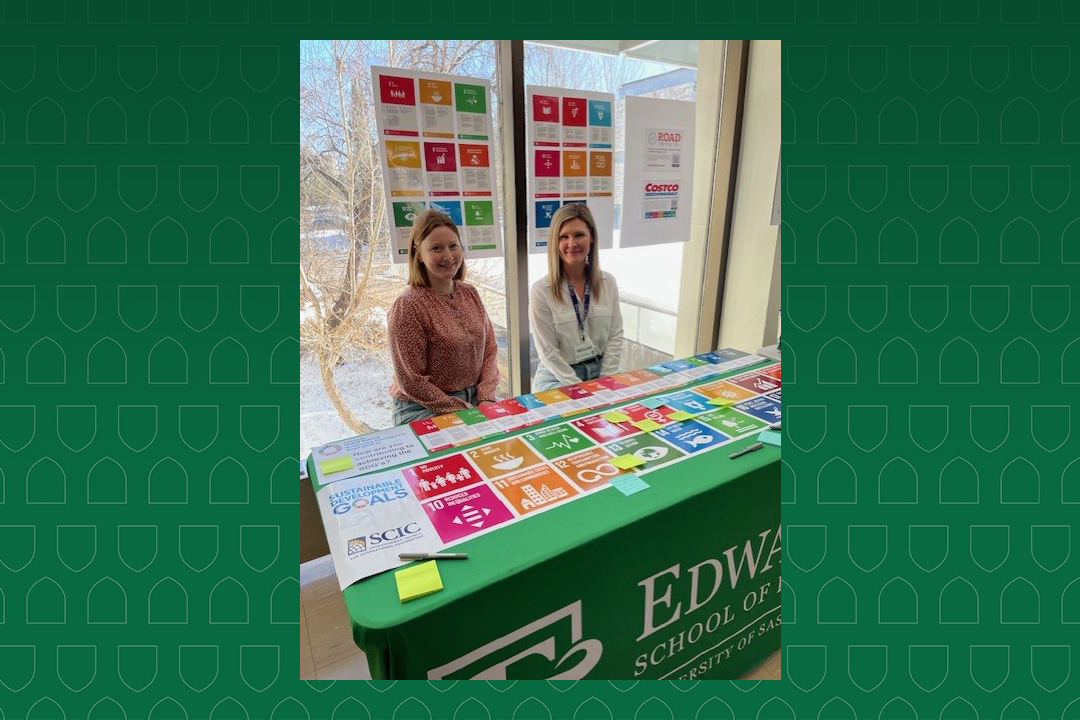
574, 311
441, 339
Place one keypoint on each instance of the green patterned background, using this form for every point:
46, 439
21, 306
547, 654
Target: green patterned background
148, 375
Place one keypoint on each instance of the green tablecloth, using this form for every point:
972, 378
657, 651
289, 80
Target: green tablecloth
681, 581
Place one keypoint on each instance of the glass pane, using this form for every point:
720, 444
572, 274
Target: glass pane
348, 278
648, 277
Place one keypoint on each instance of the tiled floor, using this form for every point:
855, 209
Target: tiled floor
327, 650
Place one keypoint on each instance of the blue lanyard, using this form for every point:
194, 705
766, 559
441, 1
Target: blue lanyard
573, 297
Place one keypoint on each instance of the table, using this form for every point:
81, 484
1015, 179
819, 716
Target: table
681, 581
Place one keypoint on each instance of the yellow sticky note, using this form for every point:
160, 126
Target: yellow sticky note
625, 462
336, 465
615, 417
680, 415
418, 581
721, 401
647, 425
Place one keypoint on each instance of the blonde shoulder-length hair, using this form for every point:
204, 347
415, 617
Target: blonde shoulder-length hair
425, 224
573, 211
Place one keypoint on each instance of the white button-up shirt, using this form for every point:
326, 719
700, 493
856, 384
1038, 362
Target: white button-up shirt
555, 327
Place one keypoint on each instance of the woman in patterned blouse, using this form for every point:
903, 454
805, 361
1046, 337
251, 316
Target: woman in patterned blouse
441, 339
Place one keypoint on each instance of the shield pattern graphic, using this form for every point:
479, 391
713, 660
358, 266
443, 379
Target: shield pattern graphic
198, 546
989, 65
868, 545
806, 66
1051, 545
259, 306
137, 185
928, 305
76, 546
867, 65
806, 305
137, 545
867, 305
989, 665
1051, 665
1050, 305
18, 305
989, 425
137, 305
928, 65
807, 425
260, 665
928, 425
198, 186
18, 545
259, 545
199, 666
76, 306
868, 665
137, 425
868, 425
928, 186
259, 66
76, 666
806, 545
928, 546
137, 665
806, 665
76, 425
259, 425
989, 306
868, 185
989, 545
259, 185
17, 666
137, 65
928, 665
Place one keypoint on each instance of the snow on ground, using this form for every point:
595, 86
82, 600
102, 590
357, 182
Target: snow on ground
364, 384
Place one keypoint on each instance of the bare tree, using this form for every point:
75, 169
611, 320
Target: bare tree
347, 276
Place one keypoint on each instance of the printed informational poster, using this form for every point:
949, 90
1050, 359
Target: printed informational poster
571, 140
658, 172
432, 503
436, 140
369, 520
367, 453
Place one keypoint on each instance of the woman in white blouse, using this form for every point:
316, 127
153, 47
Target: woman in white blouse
574, 310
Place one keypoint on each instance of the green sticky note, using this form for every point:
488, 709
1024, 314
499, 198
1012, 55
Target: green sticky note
418, 581
615, 417
625, 462
653, 403
721, 401
770, 437
680, 415
336, 465
647, 425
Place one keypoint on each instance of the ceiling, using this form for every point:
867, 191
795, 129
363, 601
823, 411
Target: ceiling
672, 52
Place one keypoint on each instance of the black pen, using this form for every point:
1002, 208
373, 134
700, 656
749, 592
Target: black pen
434, 556
747, 449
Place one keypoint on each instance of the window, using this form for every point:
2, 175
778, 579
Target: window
649, 277
348, 278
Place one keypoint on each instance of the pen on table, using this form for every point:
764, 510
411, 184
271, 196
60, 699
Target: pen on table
434, 556
747, 449
774, 426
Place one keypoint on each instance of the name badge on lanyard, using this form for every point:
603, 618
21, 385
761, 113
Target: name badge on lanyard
584, 348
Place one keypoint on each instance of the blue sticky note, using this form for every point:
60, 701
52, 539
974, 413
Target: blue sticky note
629, 484
653, 402
770, 437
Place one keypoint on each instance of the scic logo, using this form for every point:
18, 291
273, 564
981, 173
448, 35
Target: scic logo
655, 187
394, 533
